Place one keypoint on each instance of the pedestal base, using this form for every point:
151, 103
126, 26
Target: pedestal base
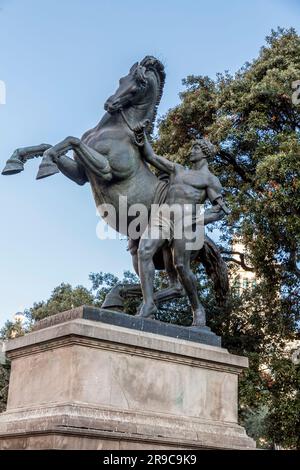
85, 384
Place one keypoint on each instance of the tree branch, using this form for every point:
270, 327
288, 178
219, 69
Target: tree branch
232, 161
241, 262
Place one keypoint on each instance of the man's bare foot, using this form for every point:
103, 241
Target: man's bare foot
199, 317
147, 310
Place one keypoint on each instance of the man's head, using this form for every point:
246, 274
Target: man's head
202, 148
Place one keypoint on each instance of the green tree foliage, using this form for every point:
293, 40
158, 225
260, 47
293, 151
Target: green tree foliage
63, 297
4, 380
283, 419
12, 329
252, 120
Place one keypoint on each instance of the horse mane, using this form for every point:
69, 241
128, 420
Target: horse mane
151, 63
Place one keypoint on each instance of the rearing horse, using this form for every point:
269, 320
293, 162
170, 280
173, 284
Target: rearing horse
108, 156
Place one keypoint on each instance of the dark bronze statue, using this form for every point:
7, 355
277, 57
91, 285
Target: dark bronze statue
113, 158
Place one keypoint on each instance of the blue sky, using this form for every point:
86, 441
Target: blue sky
60, 61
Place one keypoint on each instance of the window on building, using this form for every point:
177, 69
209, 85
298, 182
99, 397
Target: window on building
237, 285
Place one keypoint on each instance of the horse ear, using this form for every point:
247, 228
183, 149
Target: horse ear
140, 74
143, 71
133, 67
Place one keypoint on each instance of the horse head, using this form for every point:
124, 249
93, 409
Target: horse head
141, 89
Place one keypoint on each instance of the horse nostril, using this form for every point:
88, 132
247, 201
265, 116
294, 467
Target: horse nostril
111, 105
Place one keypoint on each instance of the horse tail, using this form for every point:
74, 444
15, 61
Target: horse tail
216, 269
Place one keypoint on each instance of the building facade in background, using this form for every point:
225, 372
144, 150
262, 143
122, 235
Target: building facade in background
241, 279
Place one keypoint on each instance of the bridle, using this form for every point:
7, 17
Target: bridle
125, 120
138, 136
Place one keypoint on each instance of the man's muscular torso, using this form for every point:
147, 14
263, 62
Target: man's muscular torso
190, 186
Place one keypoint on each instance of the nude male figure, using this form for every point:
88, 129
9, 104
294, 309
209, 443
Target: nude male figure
186, 186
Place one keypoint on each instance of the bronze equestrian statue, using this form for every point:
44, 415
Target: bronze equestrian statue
111, 157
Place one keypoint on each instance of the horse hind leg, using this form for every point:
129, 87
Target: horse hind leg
115, 298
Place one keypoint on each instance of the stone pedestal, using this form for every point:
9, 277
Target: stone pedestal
83, 384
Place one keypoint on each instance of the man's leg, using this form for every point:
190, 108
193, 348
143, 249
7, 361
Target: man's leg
182, 258
147, 249
170, 268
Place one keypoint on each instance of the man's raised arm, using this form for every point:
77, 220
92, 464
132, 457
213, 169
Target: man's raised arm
148, 154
